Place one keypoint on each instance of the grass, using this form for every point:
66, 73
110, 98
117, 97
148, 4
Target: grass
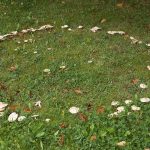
115, 63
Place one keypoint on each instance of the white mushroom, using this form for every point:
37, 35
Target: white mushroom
12, 117
121, 144
128, 101
74, 110
114, 103
38, 104
46, 70
64, 26
116, 32
80, 27
120, 109
21, 118
143, 86
95, 29
135, 108
148, 67
3, 105
62, 67
145, 100
47, 119
148, 44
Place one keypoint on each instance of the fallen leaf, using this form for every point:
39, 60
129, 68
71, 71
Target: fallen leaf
103, 20
61, 139
63, 125
83, 117
28, 110
100, 109
12, 68
120, 5
13, 107
3, 87
134, 81
93, 138
78, 91
65, 90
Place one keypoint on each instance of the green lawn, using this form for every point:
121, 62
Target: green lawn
115, 64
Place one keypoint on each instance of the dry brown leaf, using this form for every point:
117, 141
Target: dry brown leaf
120, 5
61, 139
65, 90
67, 81
83, 117
78, 91
12, 68
103, 20
63, 125
13, 107
100, 109
134, 81
93, 138
3, 87
28, 110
